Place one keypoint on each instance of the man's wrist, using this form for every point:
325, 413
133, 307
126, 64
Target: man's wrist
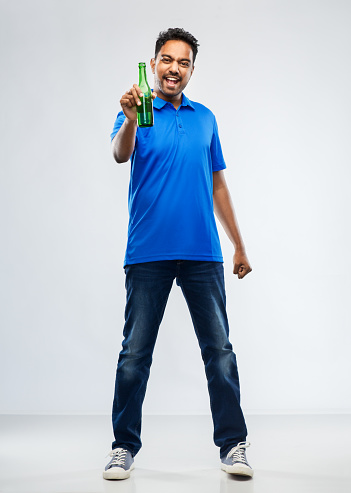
130, 122
239, 248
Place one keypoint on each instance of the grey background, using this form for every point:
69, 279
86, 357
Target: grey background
277, 76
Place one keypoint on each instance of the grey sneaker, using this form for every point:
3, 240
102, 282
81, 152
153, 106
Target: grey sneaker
235, 462
120, 465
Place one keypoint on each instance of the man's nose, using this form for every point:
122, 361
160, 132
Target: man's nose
174, 67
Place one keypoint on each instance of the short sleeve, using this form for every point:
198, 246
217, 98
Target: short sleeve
216, 150
118, 123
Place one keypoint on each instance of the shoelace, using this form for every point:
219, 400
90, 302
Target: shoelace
238, 452
119, 456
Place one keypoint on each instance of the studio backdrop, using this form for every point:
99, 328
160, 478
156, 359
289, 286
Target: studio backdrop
277, 77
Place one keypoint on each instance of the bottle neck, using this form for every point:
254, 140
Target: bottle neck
142, 76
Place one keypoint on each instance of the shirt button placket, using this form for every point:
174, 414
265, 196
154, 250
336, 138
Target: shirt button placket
180, 124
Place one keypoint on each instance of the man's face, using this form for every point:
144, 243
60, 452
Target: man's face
173, 68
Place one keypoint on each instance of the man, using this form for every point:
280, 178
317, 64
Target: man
176, 184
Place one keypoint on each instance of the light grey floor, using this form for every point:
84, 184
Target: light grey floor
66, 454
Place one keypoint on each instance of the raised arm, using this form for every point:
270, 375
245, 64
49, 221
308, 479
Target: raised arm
124, 141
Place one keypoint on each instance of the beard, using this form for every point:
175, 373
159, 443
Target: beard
169, 92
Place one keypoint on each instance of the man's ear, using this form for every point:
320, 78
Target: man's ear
192, 70
152, 65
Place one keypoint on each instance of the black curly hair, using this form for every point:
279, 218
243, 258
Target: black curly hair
176, 33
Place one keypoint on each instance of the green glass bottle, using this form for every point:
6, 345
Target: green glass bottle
145, 110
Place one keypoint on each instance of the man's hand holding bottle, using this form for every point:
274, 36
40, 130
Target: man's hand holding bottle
130, 100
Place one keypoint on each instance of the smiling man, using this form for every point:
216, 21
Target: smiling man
174, 67
176, 186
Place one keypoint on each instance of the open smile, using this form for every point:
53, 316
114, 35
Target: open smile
171, 81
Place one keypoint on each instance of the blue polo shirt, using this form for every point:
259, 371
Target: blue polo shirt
170, 191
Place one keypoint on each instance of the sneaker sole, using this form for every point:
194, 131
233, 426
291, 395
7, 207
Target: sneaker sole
117, 473
240, 470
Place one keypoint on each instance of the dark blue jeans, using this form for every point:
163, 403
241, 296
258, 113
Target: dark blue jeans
148, 286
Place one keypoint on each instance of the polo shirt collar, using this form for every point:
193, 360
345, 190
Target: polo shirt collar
187, 102
160, 103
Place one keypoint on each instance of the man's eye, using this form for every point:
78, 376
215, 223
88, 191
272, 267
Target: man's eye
184, 64
166, 60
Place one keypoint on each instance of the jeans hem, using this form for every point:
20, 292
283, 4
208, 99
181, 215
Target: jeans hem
223, 456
